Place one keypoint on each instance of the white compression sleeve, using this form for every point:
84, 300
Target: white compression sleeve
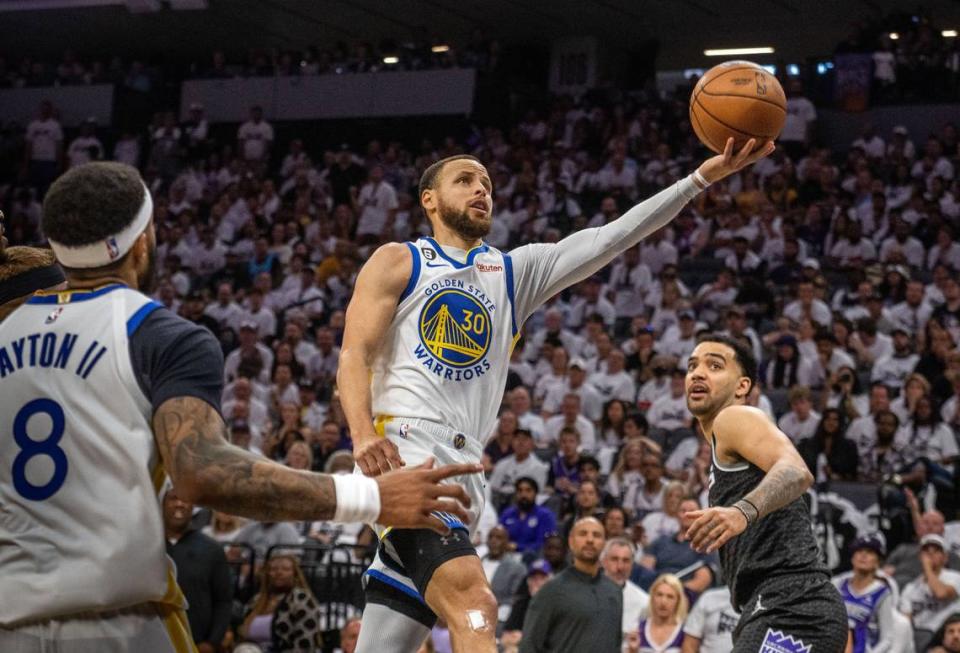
543, 270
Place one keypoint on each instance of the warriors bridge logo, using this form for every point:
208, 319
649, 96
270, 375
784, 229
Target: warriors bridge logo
454, 335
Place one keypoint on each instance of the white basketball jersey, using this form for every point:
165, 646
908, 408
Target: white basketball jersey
80, 523
446, 354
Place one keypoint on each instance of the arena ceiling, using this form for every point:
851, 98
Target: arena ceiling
797, 28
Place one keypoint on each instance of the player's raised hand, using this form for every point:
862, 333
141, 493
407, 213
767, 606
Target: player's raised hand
409, 497
722, 165
713, 527
377, 456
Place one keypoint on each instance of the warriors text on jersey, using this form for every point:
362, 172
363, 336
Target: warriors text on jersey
778, 545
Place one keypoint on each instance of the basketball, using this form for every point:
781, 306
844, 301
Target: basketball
737, 99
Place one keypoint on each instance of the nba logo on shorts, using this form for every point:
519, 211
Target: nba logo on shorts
404, 429
777, 642
112, 250
459, 440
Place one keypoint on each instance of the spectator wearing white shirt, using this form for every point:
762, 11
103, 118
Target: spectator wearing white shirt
86, 147
526, 419
250, 349
799, 125
933, 163
709, 626
376, 204
930, 438
322, 366
680, 339
556, 376
615, 382
255, 137
893, 370
902, 247
570, 416
657, 387
518, 464
656, 251
945, 250
738, 327
853, 249
933, 596
629, 280
262, 317
743, 260
807, 305
671, 413
618, 178
225, 310
868, 344
43, 155
127, 150
553, 329
870, 142
830, 358
590, 300
617, 560
576, 382
801, 421
914, 311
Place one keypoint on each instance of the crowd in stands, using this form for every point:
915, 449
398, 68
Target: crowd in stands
26, 71
839, 269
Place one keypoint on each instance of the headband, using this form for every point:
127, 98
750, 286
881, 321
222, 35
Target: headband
27, 283
106, 251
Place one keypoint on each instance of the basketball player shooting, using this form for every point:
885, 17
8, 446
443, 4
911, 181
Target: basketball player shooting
102, 392
758, 519
424, 362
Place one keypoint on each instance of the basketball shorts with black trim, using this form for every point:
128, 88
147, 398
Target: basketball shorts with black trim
799, 614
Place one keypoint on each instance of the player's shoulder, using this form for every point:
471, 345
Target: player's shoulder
738, 416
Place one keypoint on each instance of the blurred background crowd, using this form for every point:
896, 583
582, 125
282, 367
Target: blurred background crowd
839, 266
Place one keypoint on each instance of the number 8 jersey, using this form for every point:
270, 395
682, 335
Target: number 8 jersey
80, 524
446, 355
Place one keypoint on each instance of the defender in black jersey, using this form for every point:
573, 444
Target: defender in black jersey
757, 518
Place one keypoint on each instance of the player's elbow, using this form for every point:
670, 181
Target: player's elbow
806, 477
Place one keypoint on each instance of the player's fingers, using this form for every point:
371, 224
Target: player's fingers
765, 150
698, 523
453, 491
393, 455
745, 152
378, 461
720, 541
455, 470
728, 151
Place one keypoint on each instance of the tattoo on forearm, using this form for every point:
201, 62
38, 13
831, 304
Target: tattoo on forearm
193, 445
782, 484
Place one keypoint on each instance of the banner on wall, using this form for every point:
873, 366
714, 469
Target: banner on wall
573, 65
853, 74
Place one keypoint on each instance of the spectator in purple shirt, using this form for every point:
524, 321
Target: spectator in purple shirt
527, 523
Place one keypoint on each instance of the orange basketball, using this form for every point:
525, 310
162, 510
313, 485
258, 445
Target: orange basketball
737, 99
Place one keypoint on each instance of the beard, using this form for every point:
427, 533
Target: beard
524, 504
462, 223
148, 280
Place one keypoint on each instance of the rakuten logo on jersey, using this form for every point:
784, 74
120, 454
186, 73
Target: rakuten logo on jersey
483, 267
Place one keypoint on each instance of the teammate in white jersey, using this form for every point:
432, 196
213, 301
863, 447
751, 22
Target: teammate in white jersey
423, 366
102, 391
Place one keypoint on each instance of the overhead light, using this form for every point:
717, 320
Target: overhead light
728, 52
949, 33
443, 47
391, 60
894, 36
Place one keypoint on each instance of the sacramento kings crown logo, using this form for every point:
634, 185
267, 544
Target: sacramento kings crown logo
777, 642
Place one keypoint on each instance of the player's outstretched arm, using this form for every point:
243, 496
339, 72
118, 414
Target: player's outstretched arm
747, 433
376, 294
206, 469
543, 270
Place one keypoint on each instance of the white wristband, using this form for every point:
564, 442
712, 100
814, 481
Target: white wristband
700, 180
358, 499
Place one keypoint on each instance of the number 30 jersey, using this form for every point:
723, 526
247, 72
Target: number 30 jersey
446, 355
80, 523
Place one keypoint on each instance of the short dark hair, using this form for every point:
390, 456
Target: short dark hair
528, 481
92, 202
428, 180
742, 354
